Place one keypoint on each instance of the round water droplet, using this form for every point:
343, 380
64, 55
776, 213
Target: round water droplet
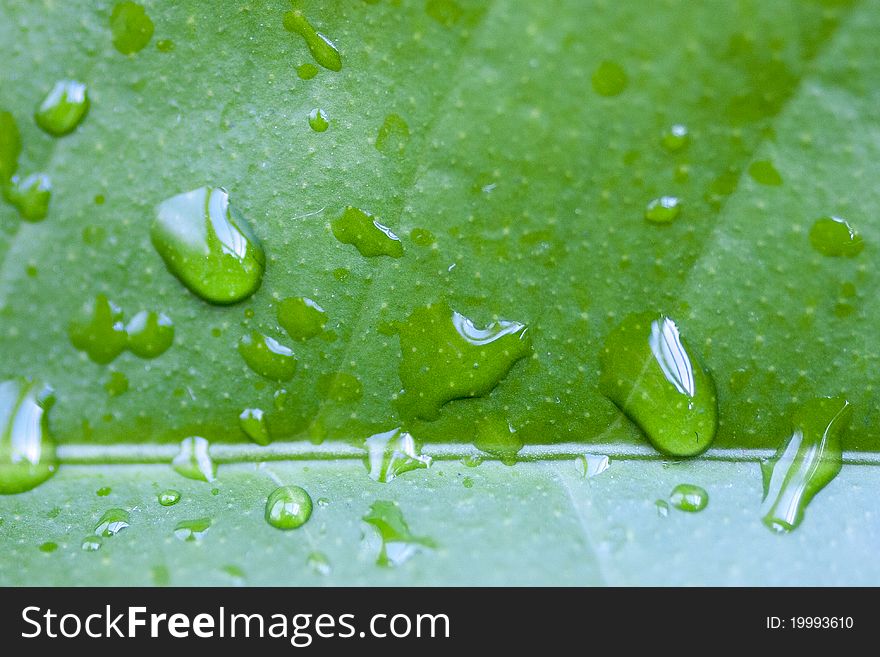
112, 522
91, 544
64, 108
663, 210
288, 507
99, 331
207, 244
132, 29
267, 357
609, 79
833, 236
318, 120
675, 137
467, 482
169, 497
764, 173
27, 451
322, 49
306, 71
150, 334
253, 422
301, 317
359, 228
30, 195
690, 498
191, 531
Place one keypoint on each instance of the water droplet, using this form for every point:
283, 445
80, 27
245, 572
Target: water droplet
340, 387
609, 79
116, 384
267, 357
30, 196
690, 498
495, 436
675, 137
446, 357
306, 71
99, 331
650, 375
393, 135
112, 522
132, 29
360, 228
64, 108
150, 334
391, 454
48, 547
833, 236
445, 12
396, 542
193, 460
169, 497
807, 462
763, 172
207, 244
467, 482
27, 451
10, 146
322, 49
663, 210
165, 45
104, 491
234, 571
590, 465
191, 531
318, 563
253, 422
288, 507
318, 120
301, 317
91, 544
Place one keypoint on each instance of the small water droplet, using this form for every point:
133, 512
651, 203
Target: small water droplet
833, 236
467, 482
650, 375
807, 462
662, 507
688, 497
495, 436
169, 497
396, 543
323, 50
91, 544
288, 507
190, 531
27, 451
591, 465
764, 173
393, 135
99, 330
132, 29
301, 317
193, 460
104, 491
165, 45
253, 422
359, 228
675, 137
63, 108
234, 571
30, 195
663, 210
391, 454
318, 563
48, 547
112, 522
208, 245
306, 71
472, 460
150, 334
267, 357
609, 79
318, 120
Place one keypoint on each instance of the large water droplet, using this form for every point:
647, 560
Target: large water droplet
288, 507
193, 460
30, 195
318, 120
132, 29
323, 49
396, 542
833, 236
650, 374
392, 453
609, 79
807, 462
301, 317
112, 522
150, 334
663, 210
10, 146
27, 451
393, 135
169, 497
253, 422
688, 497
191, 531
267, 357
446, 357
207, 244
361, 229
99, 331
63, 108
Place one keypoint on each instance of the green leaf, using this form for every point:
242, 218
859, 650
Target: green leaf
514, 149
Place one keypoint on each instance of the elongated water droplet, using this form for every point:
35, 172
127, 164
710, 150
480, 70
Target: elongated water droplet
688, 497
27, 451
288, 507
323, 49
99, 330
191, 531
30, 195
318, 563
393, 136
495, 436
833, 236
663, 210
150, 334
675, 137
391, 454
609, 79
396, 543
446, 357
361, 229
267, 357
112, 522
63, 108
807, 462
591, 465
318, 120
207, 244
253, 422
193, 460
651, 375
169, 497
764, 173
91, 544
301, 317
132, 29
10, 146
